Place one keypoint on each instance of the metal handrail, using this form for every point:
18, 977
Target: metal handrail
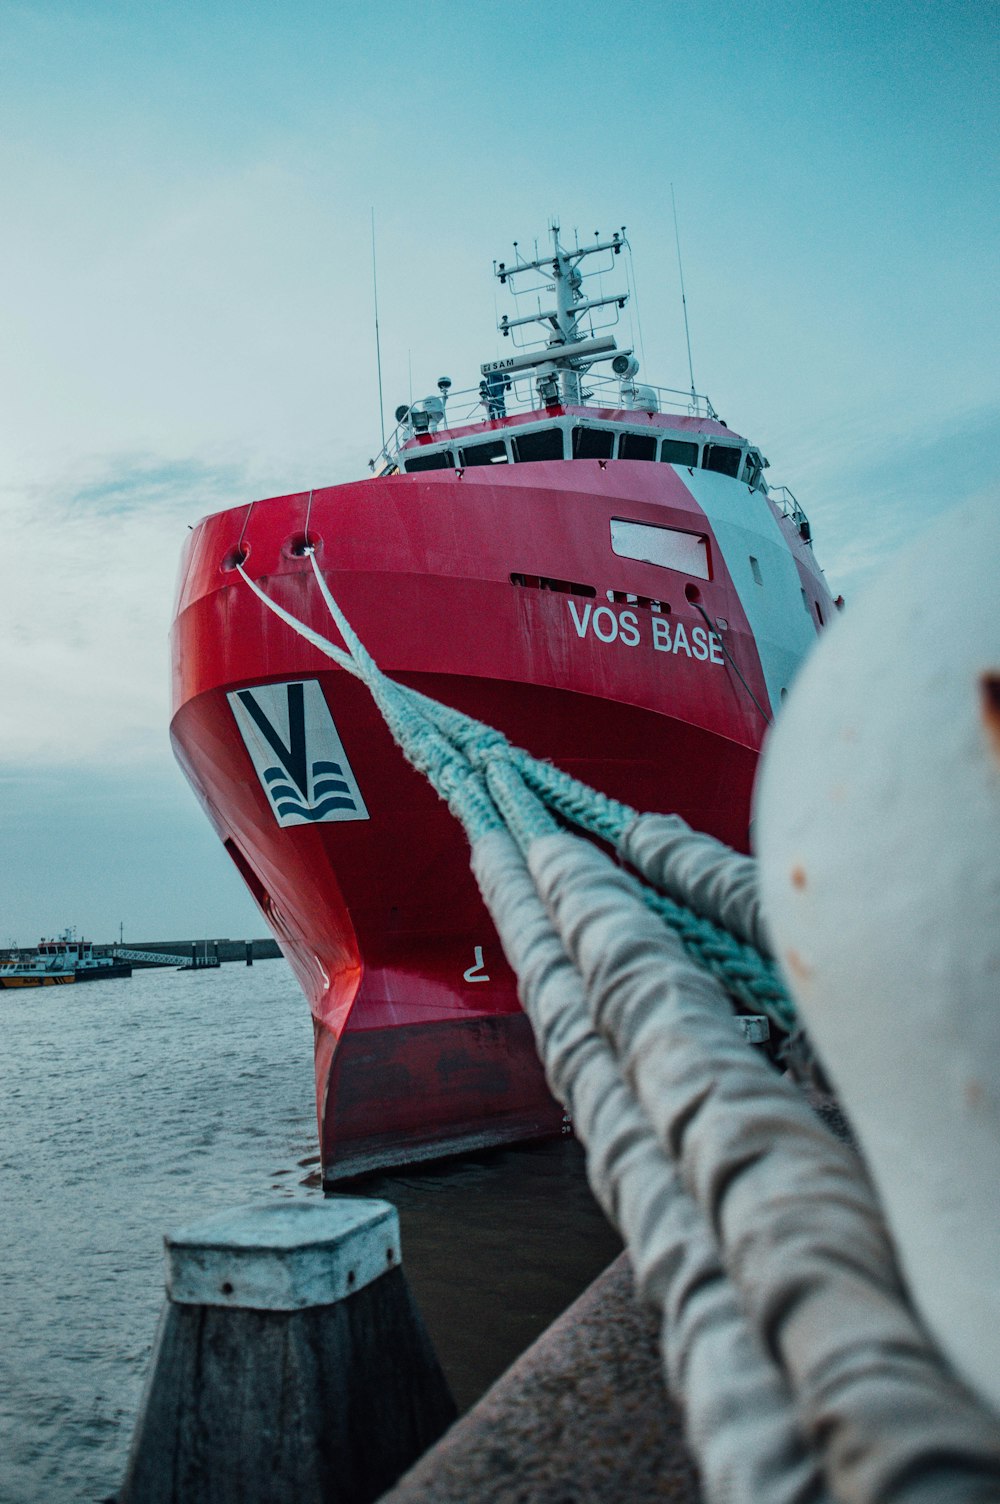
787, 501
521, 396
790, 508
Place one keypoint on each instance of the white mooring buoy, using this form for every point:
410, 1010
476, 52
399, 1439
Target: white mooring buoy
878, 831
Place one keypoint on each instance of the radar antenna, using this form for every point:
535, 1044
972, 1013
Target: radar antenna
559, 363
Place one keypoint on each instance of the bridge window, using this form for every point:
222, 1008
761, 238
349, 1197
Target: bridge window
543, 444
493, 453
637, 446
442, 460
752, 469
678, 452
593, 443
725, 458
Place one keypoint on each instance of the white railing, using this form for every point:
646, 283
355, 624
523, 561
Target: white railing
149, 957
788, 504
477, 404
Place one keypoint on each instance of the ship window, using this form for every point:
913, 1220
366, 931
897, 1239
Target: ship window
751, 472
725, 458
637, 446
543, 444
493, 453
593, 443
678, 452
666, 546
442, 460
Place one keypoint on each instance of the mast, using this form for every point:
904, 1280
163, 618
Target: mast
684, 301
559, 370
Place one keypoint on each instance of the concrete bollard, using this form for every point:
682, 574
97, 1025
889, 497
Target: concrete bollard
291, 1364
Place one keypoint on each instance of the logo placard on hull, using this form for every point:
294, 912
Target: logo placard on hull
297, 753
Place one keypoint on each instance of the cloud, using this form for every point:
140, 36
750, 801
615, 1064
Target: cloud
96, 846
90, 569
883, 487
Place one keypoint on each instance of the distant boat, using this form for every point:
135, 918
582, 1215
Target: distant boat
58, 962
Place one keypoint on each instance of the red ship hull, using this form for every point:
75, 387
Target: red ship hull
497, 594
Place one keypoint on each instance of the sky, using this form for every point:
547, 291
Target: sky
186, 317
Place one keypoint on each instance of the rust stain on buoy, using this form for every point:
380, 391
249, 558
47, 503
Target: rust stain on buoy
989, 690
797, 966
798, 876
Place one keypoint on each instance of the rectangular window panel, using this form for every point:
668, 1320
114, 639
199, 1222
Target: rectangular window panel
593, 443
544, 444
666, 546
725, 458
493, 453
677, 452
637, 446
443, 460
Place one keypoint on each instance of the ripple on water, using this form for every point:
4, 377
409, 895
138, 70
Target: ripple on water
145, 1103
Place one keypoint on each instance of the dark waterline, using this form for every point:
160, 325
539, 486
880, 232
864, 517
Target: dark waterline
128, 1107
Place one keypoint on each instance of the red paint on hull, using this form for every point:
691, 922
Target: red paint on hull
440, 1087
380, 918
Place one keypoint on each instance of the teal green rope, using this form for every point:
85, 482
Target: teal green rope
431, 753
749, 978
526, 816
489, 784
581, 805
588, 808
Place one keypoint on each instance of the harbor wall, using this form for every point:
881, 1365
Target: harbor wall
264, 949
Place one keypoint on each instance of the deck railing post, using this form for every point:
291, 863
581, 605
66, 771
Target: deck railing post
291, 1364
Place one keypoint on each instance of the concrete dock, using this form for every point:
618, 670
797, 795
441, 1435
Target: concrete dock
582, 1417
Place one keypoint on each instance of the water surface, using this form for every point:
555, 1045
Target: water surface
129, 1107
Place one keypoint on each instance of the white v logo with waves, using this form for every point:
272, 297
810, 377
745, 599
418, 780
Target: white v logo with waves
297, 753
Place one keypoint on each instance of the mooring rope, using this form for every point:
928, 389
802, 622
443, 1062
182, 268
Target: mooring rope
463, 758
787, 1334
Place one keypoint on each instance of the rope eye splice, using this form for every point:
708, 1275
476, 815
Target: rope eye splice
734, 1199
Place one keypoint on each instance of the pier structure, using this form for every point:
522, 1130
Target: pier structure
179, 952
291, 1365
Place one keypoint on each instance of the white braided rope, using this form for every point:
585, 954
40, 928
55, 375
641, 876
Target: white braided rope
787, 1333
737, 1407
